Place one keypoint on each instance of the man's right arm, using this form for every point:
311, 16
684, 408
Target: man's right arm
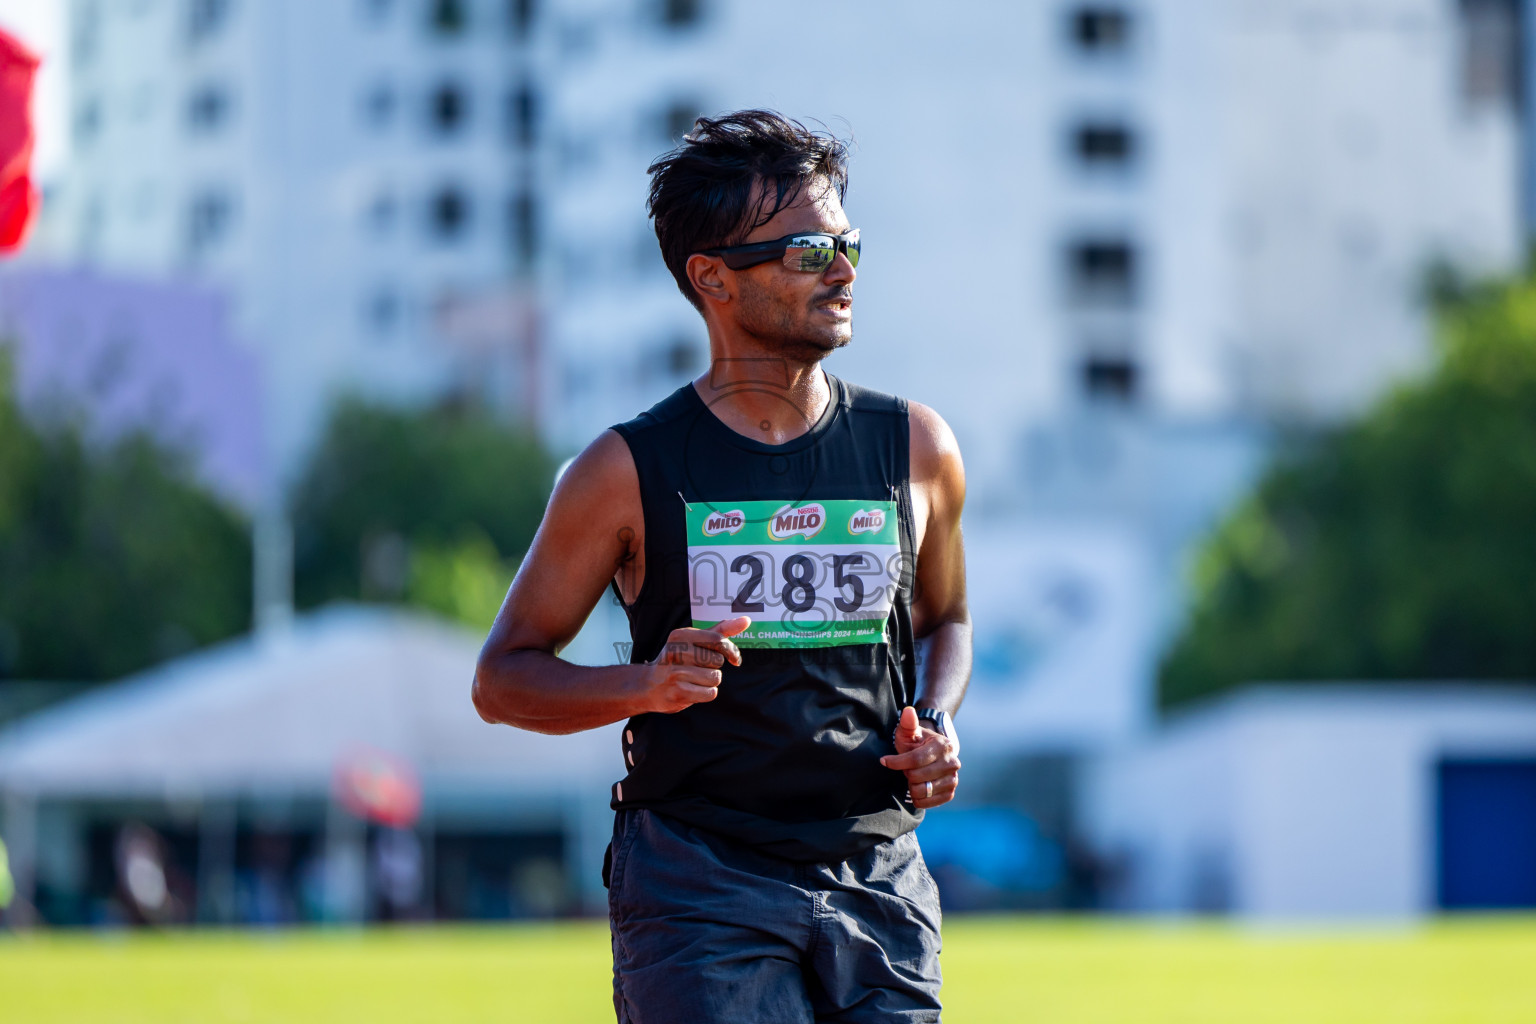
588, 531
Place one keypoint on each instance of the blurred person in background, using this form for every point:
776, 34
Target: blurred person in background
7, 884
151, 888
397, 865
787, 547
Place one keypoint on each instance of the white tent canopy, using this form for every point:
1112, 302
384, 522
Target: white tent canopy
280, 712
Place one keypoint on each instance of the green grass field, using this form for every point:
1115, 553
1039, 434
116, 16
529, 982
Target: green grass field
996, 969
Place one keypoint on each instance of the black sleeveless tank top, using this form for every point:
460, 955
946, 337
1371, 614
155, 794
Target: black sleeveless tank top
814, 540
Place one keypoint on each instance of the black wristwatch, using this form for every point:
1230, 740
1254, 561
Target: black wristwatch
939, 721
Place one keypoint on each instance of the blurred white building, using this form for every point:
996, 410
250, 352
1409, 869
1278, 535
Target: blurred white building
1195, 209
1314, 801
1200, 208
350, 170
235, 756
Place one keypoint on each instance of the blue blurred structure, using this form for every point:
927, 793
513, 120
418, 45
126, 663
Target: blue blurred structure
981, 854
1485, 830
133, 354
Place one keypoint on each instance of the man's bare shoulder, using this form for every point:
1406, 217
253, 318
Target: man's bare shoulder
935, 452
601, 483
608, 455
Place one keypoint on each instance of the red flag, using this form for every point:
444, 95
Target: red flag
18, 196
378, 786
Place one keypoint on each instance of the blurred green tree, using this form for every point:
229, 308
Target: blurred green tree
1402, 546
429, 507
111, 558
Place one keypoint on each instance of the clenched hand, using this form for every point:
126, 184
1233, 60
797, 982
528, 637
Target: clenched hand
930, 760
687, 672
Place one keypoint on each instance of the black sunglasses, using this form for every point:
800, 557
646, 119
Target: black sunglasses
811, 251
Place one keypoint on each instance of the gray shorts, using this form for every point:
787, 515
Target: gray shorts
707, 930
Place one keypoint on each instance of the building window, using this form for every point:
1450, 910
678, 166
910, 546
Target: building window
87, 121
523, 229
681, 13
520, 15
682, 357
678, 121
523, 115
205, 19
1102, 271
1110, 378
86, 22
381, 213
448, 213
448, 108
1101, 30
208, 220
379, 105
377, 11
381, 310
449, 17
207, 109
1104, 146
1490, 51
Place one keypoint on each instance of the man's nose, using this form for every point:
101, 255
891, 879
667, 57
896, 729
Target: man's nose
840, 271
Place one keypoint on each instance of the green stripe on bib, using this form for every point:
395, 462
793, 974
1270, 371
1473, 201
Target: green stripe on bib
805, 522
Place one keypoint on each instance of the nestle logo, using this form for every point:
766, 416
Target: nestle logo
797, 521
724, 522
867, 521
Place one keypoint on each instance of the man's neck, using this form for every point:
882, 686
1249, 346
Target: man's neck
767, 398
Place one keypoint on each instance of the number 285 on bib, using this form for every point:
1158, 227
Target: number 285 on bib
809, 573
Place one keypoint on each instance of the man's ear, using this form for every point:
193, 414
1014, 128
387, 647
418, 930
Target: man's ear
705, 273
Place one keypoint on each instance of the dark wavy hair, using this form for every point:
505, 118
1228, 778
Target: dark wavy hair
730, 175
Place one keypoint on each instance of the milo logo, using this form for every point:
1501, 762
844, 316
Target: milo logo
867, 521
797, 521
724, 522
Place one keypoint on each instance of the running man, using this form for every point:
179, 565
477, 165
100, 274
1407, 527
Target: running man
787, 547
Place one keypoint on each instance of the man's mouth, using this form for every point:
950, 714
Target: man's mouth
840, 305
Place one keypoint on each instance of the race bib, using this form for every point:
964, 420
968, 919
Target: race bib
809, 573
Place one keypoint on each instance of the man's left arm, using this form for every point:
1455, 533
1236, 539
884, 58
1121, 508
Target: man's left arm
941, 619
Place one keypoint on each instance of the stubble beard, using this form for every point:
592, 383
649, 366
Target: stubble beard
786, 331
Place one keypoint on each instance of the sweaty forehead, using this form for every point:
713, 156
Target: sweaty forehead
816, 208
